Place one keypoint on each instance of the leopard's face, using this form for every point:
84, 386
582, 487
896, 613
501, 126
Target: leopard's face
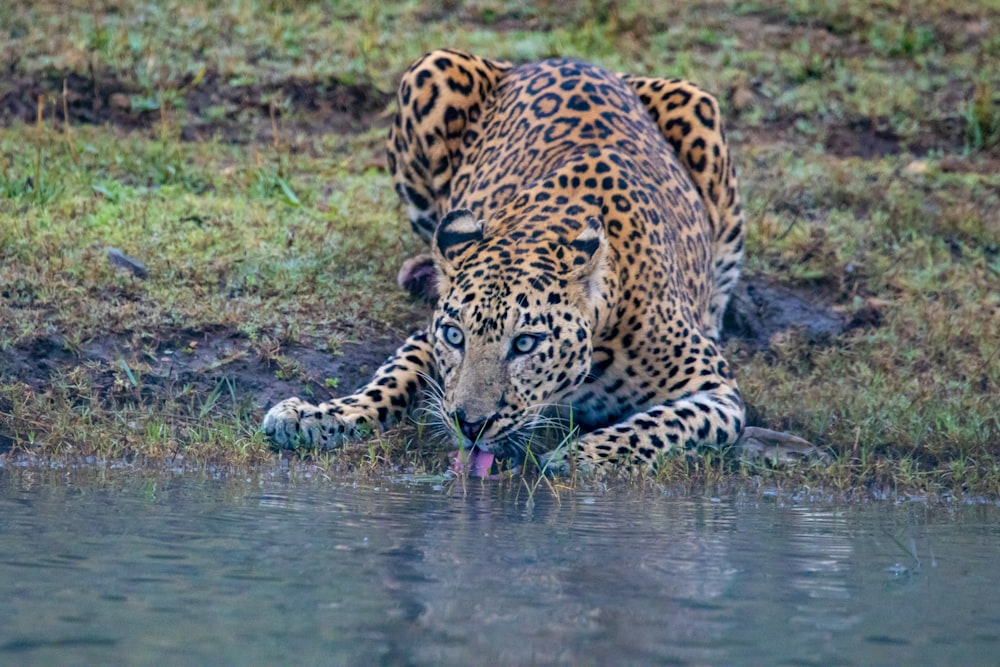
509, 341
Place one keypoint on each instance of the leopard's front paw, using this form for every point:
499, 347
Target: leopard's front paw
287, 424
554, 463
294, 423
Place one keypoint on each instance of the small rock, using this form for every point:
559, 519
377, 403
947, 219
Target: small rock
125, 264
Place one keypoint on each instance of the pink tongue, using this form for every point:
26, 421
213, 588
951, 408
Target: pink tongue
481, 463
478, 461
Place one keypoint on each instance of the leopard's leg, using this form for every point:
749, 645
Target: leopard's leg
382, 403
689, 119
440, 97
709, 413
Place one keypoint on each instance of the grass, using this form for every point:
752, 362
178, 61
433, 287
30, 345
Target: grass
868, 142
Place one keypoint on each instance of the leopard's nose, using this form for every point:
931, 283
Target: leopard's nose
471, 429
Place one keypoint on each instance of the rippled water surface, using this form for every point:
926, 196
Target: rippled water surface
181, 571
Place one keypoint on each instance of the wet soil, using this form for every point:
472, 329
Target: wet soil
760, 309
210, 106
197, 363
868, 139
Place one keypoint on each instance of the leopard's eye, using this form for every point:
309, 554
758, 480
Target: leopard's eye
525, 344
453, 336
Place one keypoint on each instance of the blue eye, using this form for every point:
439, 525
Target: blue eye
525, 344
453, 336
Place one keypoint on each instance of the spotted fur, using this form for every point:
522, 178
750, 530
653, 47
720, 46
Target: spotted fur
585, 231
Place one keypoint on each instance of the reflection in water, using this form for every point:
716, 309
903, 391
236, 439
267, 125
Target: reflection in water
489, 579
183, 571
820, 558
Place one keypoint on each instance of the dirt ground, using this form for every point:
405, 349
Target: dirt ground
201, 361
242, 114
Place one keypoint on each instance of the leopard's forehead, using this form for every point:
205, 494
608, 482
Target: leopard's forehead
498, 288
492, 308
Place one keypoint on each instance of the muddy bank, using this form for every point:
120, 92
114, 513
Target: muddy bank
120, 367
761, 309
206, 107
192, 363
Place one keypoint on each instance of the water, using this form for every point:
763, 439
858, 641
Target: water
260, 571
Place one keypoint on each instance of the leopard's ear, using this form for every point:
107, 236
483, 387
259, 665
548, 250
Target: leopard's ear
590, 245
589, 260
455, 235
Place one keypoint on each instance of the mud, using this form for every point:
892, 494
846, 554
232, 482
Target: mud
868, 139
209, 107
199, 362
760, 309
193, 363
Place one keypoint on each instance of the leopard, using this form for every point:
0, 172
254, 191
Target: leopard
585, 231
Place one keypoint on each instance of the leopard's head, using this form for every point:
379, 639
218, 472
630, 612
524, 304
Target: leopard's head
512, 329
